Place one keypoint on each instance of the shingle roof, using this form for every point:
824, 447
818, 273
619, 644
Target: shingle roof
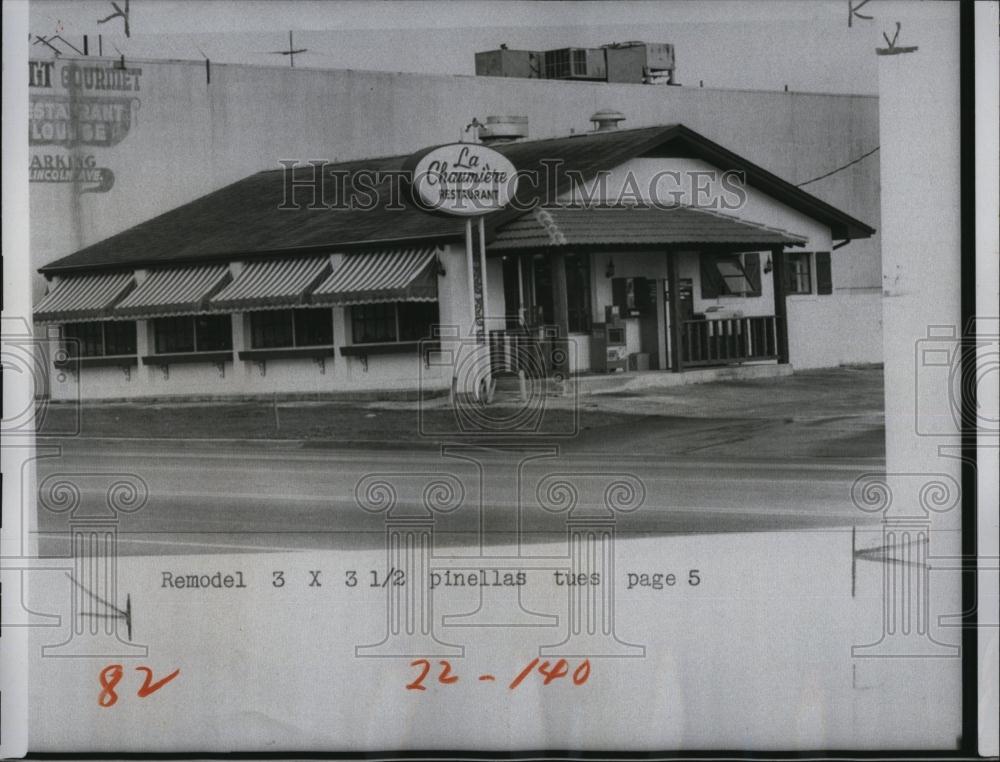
635, 225
245, 219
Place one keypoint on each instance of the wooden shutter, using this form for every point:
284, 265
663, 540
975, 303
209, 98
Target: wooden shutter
824, 273
751, 266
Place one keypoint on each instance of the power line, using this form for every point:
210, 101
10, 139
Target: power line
838, 169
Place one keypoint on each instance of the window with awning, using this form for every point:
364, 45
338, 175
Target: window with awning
272, 284
83, 297
730, 274
183, 290
405, 275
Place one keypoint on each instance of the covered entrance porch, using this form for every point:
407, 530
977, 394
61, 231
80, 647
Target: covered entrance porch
601, 290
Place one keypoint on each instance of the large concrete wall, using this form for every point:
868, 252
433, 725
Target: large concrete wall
172, 133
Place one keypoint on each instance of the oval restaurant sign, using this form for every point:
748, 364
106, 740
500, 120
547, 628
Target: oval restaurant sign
465, 179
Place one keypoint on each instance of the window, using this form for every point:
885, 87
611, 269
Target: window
416, 320
373, 322
392, 321
578, 292
201, 333
313, 328
274, 329
798, 275
730, 275
102, 338
824, 273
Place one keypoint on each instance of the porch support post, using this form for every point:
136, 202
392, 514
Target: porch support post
521, 307
674, 311
780, 311
560, 311
661, 326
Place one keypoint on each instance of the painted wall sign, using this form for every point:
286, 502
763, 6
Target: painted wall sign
75, 77
82, 170
464, 179
73, 105
68, 121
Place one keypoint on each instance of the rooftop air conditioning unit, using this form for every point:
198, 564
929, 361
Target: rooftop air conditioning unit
640, 62
509, 63
576, 63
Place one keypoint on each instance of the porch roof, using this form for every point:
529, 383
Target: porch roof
636, 225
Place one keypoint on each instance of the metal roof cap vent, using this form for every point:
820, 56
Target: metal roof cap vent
503, 129
606, 120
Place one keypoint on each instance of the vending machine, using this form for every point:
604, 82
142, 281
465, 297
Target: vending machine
608, 349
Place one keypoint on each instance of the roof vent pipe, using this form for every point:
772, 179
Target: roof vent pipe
606, 120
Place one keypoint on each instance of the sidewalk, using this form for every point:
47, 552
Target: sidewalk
835, 413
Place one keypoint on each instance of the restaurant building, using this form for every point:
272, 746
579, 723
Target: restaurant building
623, 250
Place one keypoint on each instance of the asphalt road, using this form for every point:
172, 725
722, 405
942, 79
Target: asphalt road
217, 497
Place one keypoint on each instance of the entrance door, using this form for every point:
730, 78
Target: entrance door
512, 293
685, 302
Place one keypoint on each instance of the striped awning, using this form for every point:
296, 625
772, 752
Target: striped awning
83, 297
177, 291
405, 275
272, 284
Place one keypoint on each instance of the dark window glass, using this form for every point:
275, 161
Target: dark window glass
416, 320
213, 333
313, 327
173, 334
798, 276
578, 292
824, 273
373, 323
270, 329
119, 337
84, 339
204, 333
100, 338
273, 329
